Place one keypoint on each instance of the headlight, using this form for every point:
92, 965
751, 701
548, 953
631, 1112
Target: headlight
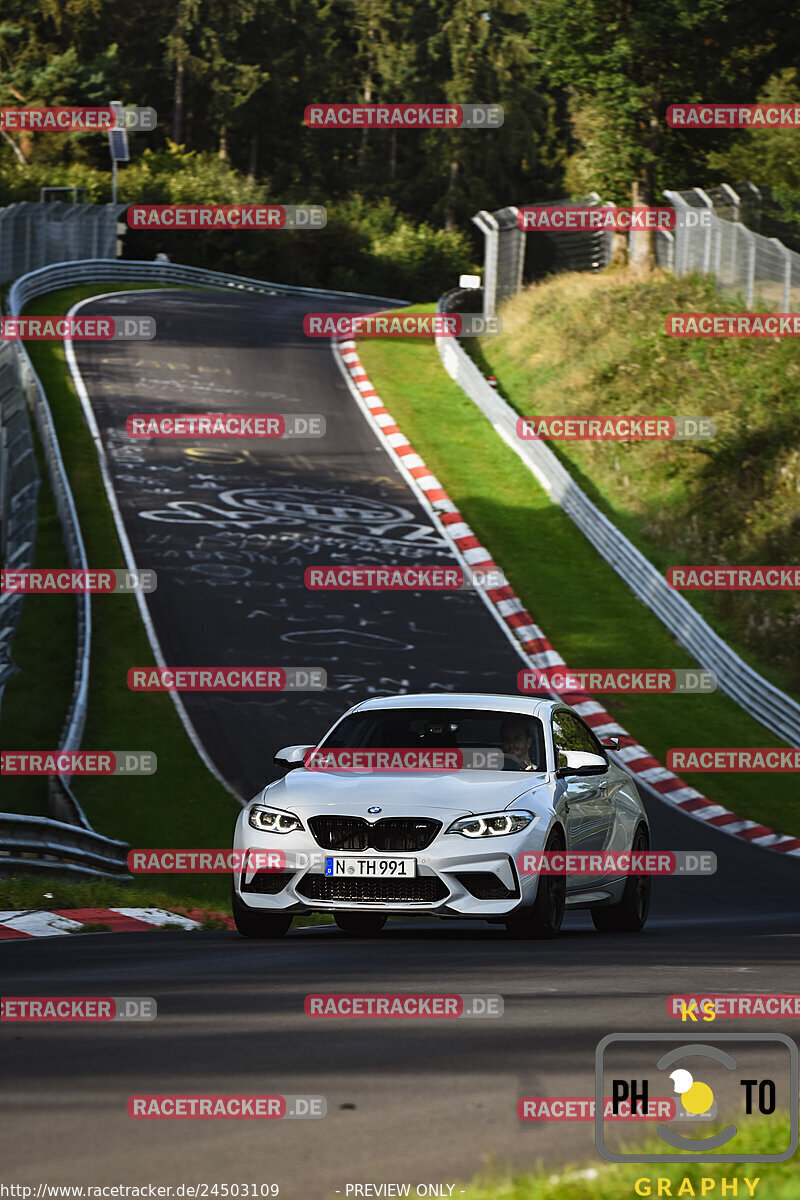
493, 824
270, 820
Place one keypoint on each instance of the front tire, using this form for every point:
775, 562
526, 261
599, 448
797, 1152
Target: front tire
360, 924
630, 914
253, 923
543, 920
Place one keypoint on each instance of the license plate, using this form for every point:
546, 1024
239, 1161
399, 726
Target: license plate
372, 868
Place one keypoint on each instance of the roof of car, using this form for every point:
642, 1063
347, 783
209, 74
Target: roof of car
488, 701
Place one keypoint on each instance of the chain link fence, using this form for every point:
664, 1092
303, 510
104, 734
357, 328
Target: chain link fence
511, 255
728, 247
36, 234
741, 260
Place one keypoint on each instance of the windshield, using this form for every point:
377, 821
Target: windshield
520, 738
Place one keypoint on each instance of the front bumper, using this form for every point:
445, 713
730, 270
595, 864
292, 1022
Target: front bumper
454, 877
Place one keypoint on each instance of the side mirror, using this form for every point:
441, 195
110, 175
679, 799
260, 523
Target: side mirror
610, 743
291, 757
580, 762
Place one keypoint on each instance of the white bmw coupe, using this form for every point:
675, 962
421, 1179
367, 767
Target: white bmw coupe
428, 804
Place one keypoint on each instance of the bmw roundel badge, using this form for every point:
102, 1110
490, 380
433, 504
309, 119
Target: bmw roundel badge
374, 810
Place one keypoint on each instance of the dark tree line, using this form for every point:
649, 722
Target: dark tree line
584, 84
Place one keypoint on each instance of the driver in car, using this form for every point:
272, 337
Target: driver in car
517, 743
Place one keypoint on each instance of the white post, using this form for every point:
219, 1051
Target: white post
787, 272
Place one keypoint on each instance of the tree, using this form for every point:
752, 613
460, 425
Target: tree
624, 61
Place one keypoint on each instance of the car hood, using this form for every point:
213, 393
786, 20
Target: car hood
398, 794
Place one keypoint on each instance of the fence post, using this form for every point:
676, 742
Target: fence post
750, 278
736, 198
707, 247
787, 272
490, 229
680, 252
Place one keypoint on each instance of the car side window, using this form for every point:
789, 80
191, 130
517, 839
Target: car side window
591, 744
570, 733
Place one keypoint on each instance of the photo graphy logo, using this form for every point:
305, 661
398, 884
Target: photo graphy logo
704, 1068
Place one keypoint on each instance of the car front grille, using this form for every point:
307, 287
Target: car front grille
424, 889
389, 834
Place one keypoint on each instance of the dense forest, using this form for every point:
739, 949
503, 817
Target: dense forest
584, 84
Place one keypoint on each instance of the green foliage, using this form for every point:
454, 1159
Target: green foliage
623, 65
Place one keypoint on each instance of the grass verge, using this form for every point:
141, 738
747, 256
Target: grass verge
612, 1181
596, 345
582, 605
28, 892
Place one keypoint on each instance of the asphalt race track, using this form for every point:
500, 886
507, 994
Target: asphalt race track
230, 527
408, 1100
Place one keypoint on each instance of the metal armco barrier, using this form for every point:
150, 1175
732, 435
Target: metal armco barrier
57, 849
19, 488
102, 270
772, 707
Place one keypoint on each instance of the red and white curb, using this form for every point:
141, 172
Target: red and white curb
61, 921
527, 634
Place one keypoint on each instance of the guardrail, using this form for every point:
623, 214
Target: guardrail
75, 719
103, 270
40, 844
772, 707
19, 488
